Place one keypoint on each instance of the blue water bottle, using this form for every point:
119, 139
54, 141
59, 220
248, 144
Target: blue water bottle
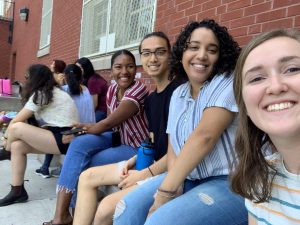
145, 156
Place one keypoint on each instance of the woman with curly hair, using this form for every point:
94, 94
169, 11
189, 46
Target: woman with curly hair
266, 87
57, 111
57, 67
201, 129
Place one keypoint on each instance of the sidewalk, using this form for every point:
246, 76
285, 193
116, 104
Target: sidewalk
42, 198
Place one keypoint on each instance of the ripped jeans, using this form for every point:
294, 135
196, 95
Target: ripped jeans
209, 201
87, 151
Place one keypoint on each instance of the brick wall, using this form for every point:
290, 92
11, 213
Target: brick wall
243, 18
65, 34
5, 48
26, 37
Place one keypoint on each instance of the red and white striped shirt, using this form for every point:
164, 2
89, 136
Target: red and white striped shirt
135, 129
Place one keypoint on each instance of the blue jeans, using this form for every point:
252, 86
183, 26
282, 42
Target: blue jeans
211, 202
100, 115
47, 161
86, 151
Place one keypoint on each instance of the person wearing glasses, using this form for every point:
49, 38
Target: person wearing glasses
155, 53
125, 101
43, 98
201, 130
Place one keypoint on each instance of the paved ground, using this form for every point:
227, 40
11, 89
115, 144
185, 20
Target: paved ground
41, 203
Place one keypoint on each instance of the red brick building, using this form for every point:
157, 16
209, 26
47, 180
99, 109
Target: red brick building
69, 29
5, 46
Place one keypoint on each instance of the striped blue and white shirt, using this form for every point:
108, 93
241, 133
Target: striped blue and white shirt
185, 114
284, 205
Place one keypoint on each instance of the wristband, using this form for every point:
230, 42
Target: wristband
150, 171
162, 194
167, 192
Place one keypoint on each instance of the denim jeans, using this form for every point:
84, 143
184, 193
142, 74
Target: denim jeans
211, 202
47, 161
86, 151
100, 115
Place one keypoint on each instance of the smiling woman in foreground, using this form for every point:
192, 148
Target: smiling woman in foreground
268, 95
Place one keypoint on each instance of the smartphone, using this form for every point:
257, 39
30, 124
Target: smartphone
116, 139
75, 131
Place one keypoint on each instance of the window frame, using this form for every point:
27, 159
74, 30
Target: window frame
45, 49
102, 60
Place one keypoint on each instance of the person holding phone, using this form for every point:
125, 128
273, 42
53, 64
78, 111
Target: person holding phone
155, 51
44, 99
125, 102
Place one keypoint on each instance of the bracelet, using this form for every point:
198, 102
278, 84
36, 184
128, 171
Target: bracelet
165, 191
165, 195
150, 171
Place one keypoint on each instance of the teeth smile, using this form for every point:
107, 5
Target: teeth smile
199, 66
280, 106
153, 67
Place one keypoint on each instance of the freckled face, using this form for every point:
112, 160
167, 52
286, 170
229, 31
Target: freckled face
271, 86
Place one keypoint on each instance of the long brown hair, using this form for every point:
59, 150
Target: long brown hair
252, 178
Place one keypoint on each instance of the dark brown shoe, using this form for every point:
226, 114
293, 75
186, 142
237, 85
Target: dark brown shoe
17, 194
4, 155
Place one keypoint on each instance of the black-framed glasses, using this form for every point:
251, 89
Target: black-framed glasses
159, 53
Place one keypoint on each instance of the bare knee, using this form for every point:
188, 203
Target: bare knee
86, 178
15, 129
106, 209
18, 147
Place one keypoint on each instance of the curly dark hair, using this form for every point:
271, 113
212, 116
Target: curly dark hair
229, 49
40, 84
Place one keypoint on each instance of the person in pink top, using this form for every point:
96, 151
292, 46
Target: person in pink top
125, 103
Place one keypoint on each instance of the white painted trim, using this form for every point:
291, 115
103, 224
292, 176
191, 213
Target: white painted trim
103, 63
43, 51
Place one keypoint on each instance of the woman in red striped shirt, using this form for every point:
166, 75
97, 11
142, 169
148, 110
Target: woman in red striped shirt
100, 146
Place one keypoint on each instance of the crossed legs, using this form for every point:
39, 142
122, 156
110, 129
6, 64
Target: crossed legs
26, 139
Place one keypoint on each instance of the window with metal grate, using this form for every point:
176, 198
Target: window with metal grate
109, 25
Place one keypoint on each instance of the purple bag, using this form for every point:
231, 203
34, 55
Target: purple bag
1, 90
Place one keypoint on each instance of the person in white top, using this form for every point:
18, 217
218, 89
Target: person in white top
268, 96
57, 111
